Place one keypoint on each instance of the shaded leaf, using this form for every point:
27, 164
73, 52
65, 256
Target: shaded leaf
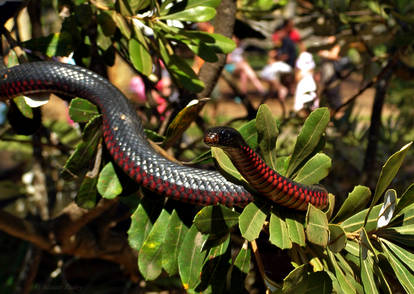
216, 219
405, 201
140, 57
404, 276
149, 256
388, 172
174, 237
337, 238
142, 219
183, 119
87, 193
404, 255
191, 258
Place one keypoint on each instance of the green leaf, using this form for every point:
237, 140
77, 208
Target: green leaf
109, 185
251, 220
317, 231
87, 194
337, 238
309, 137
356, 221
25, 109
405, 201
84, 155
300, 280
242, 261
140, 57
367, 273
56, 44
295, 230
404, 276
81, 110
314, 170
216, 220
191, 258
106, 22
174, 237
214, 272
279, 235
122, 24
355, 201
183, 120
225, 164
403, 235
404, 255
149, 256
194, 14
267, 135
180, 70
142, 219
196, 3
388, 172
249, 133
344, 281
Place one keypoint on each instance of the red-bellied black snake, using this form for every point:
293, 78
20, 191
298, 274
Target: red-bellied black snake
125, 139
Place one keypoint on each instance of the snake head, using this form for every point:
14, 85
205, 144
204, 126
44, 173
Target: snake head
223, 137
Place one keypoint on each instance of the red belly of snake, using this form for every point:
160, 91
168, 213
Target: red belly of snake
125, 139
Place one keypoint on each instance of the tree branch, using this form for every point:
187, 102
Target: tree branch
224, 25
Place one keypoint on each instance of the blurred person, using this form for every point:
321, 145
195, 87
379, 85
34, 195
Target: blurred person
237, 65
287, 47
305, 94
331, 69
272, 72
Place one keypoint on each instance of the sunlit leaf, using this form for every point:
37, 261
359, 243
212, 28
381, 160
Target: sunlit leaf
355, 201
314, 170
309, 137
149, 256
267, 131
191, 258
251, 220
388, 172
317, 231
174, 237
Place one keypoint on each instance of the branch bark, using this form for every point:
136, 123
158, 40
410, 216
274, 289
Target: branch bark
69, 233
224, 25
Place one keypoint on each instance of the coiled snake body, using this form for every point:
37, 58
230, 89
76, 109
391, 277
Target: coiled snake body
125, 139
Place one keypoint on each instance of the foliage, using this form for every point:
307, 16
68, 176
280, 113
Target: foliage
353, 246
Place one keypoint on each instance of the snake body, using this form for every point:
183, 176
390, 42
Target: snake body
124, 134
126, 142
260, 176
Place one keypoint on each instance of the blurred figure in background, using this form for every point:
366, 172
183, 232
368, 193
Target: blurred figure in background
272, 72
331, 70
237, 65
305, 94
